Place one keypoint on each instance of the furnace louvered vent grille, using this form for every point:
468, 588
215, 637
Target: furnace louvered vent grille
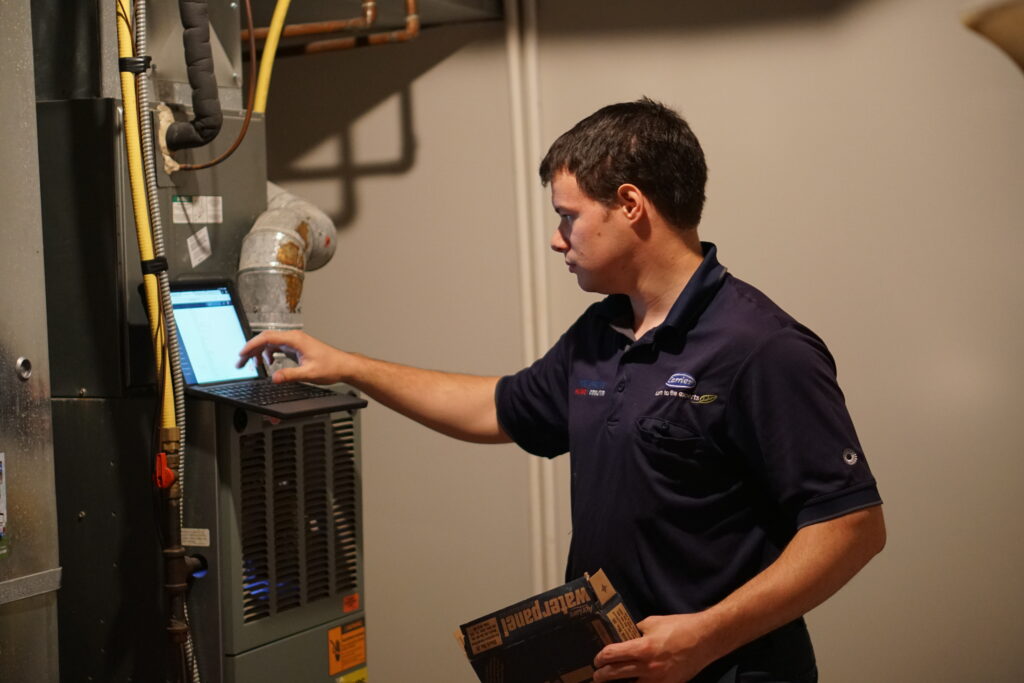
298, 516
287, 559
346, 548
253, 522
314, 481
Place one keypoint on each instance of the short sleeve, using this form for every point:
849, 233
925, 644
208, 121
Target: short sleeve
788, 418
533, 405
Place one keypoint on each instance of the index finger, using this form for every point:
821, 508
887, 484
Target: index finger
255, 346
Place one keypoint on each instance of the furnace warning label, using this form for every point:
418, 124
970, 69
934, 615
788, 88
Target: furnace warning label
197, 209
346, 647
199, 246
197, 538
3, 506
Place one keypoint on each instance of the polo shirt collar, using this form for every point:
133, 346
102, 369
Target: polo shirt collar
698, 292
692, 301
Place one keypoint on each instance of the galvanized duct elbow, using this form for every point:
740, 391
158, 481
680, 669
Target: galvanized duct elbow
289, 238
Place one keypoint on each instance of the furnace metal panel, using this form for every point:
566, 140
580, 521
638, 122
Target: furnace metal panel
95, 311
276, 509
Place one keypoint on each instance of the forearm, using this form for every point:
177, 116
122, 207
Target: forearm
461, 406
458, 405
819, 560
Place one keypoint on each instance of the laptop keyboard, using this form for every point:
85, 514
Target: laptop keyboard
266, 393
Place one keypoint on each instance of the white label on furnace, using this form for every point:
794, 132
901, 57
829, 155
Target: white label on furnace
199, 246
197, 209
197, 538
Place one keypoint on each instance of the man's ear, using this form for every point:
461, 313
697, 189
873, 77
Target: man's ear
631, 201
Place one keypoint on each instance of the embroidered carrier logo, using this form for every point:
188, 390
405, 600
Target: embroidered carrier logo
682, 385
681, 380
590, 387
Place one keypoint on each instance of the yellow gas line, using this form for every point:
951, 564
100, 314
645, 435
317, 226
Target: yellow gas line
143, 230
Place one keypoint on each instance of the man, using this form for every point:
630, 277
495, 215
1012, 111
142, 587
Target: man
716, 475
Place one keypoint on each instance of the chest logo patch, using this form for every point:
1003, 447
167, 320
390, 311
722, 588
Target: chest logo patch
682, 385
681, 380
590, 387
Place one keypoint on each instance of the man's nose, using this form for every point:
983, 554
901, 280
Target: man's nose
558, 242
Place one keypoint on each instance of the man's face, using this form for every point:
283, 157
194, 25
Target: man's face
595, 240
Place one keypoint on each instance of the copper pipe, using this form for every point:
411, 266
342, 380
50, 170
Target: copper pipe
323, 27
411, 30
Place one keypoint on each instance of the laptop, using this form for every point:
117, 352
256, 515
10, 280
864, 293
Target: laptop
212, 328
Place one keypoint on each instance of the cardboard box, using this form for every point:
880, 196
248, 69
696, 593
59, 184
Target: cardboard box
549, 638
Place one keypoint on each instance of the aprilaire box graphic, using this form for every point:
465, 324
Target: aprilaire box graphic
549, 638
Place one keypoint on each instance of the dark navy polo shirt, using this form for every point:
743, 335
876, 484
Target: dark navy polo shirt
698, 450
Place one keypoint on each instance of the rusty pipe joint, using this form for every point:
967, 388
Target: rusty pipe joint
369, 12
289, 238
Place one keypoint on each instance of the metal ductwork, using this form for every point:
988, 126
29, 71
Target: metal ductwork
291, 237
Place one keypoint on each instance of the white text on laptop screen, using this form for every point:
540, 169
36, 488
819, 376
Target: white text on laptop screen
210, 336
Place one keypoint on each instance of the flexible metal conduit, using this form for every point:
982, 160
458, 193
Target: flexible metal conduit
159, 249
174, 353
142, 225
176, 574
204, 127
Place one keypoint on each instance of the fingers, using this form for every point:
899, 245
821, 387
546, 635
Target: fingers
617, 652
264, 344
288, 375
617, 672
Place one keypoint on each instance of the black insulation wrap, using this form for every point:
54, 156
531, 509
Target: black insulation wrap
204, 127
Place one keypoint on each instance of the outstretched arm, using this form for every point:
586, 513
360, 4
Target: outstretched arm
461, 406
816, 563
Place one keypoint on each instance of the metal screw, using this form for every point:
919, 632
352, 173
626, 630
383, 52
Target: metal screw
24, 366
81, 514
233, 5
82, 392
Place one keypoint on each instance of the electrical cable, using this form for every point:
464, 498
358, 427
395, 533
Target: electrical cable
250, 99
269, 50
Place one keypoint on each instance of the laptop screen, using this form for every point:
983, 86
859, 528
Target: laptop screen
210, 335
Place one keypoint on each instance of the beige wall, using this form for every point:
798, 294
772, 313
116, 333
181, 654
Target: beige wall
425, 273
866, 163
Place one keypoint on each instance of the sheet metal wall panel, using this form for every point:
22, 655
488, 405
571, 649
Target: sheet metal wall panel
79, 168
111, 608
27, 624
